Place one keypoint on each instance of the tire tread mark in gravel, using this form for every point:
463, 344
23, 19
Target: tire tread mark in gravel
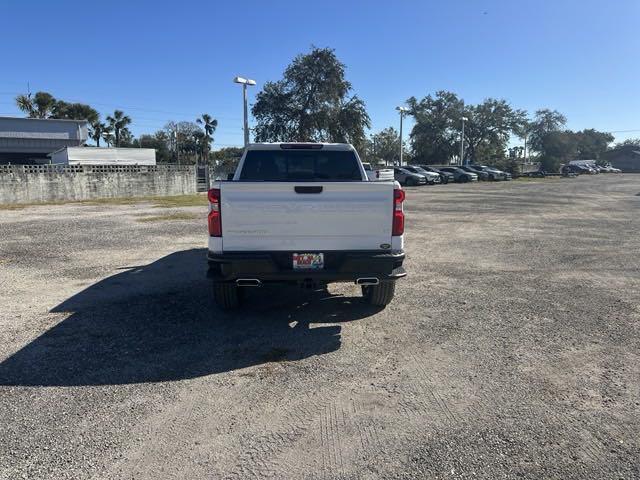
425, 382
332, 442
367, 432
257, 461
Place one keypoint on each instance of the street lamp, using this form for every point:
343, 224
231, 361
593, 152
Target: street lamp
245, 82
402, 111
464, 119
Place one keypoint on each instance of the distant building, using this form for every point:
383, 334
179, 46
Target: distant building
30, 140
626, 158
103, 156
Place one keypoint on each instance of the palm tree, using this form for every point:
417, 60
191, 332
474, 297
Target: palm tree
98, 130
25, 104
117, 122
107, 135
40, 105
209, 124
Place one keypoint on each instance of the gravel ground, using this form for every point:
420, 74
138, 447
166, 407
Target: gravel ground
510, 351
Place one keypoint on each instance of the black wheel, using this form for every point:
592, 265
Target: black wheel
226, 295
444, 181
381, 294
465, 179
411, 182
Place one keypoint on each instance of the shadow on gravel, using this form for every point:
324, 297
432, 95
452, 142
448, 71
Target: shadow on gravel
158, 323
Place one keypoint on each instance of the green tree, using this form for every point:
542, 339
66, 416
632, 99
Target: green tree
311, 103
488, 128
75, 111
126, 138
118, 121
557, 147
435, 135
108, 136
209, 124
226, 159
544, 122
385, 146
97, 130
633, 142
186, 141
157, 141
40, 105
592, 143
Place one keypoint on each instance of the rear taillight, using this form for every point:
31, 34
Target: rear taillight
215, 219
398, 213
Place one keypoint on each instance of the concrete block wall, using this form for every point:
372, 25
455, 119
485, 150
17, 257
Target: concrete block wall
47, 183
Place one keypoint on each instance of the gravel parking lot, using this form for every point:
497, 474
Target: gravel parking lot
511, 349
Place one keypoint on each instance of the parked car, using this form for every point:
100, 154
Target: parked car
609, 169
432, 178
378, 174
482, 175
460, 175
577, 169
445, 177
305, 214
501, 174
406, 177
540, 173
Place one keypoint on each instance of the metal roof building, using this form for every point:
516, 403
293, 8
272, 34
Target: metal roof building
30, 140
103, 156
626, 158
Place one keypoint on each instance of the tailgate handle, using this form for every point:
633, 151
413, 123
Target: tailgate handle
312, 189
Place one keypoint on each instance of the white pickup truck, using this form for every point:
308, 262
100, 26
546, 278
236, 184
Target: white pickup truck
378, 174
306, 214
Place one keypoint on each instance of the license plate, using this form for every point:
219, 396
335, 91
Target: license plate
308, 261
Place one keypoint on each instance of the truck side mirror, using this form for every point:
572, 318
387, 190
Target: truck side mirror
230, 176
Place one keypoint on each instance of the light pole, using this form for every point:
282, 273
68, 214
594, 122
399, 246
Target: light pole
402, 111
245, 82
464, 119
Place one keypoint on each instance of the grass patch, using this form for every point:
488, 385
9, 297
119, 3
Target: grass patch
195, 200
168, 217
192, 200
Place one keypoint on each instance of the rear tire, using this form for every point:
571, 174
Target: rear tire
226, 295
381, 294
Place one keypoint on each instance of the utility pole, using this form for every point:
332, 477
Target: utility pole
175, 133
402, 111
244, 82
464, 119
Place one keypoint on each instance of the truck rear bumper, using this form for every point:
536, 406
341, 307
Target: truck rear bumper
339, 266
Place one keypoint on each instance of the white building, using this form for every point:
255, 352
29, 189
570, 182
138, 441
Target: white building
103, 156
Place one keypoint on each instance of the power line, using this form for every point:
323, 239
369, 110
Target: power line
123, 107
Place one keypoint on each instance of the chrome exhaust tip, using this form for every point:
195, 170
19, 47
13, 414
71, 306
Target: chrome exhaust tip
367, 281
248, 282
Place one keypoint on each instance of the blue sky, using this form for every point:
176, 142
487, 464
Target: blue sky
163, 61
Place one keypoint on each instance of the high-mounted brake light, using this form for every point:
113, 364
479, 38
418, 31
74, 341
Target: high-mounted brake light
398, 213
214, 218
301, 146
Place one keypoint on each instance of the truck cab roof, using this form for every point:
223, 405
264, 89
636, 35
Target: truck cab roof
300, 146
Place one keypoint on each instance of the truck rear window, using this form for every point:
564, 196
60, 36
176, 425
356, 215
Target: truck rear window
300, 166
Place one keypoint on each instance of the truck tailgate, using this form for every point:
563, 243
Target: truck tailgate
284, 216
